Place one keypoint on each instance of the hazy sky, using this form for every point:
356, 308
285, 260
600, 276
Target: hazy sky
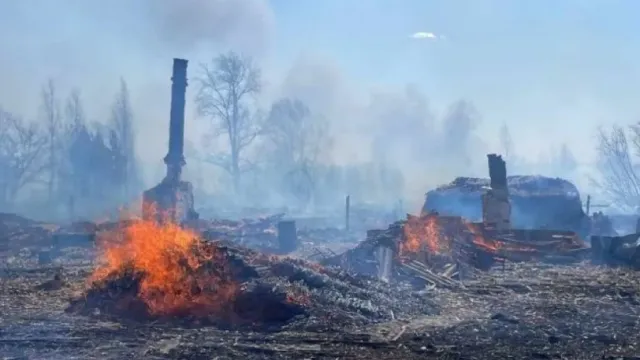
552, 70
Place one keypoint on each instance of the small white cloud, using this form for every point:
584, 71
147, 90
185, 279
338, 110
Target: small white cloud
426, 35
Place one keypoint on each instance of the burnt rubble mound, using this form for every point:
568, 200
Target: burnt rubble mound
537, 202
256, 291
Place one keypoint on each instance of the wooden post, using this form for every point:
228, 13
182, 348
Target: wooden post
287, 236
385, 264
347, 209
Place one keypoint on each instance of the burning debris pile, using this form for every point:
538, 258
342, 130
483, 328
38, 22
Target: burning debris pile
154, 271
425, 245
453, 245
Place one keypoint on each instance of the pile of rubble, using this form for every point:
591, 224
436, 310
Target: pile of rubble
438, 249
526, 310
244, 303
179, 277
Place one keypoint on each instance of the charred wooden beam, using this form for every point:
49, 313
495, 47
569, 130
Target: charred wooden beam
420, 270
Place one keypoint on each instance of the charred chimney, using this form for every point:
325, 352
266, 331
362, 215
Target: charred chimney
496, 208
173, 198
175, 157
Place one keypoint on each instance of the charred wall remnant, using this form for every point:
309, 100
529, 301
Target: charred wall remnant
496, 208
173, 198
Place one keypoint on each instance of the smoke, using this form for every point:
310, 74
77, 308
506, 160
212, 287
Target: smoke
426, 135
391, 126
90, 45
243, 24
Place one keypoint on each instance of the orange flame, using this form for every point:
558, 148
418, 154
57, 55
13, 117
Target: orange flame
493, 245
420, 232
479, 240
170, 262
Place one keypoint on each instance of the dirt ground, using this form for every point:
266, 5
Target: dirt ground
526, 311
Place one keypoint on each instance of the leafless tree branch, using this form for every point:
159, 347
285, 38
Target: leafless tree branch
619, 179
21, 155
225, 89
298, 140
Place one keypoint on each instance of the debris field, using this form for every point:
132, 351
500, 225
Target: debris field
183, 297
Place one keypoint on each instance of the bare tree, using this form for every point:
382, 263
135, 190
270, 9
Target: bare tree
299, 136
226, 87
506, 141
22, 147
123, 138
74, 110
298, 140
618, 176
71, 179
52, 119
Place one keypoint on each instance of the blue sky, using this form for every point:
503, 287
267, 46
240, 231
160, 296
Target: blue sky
555, 69
551, 70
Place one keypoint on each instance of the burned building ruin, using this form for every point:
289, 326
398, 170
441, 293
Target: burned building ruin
173, 198
534, 202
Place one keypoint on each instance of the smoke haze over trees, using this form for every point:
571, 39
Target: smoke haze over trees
618, 151
76, 167
224, 94
364, 110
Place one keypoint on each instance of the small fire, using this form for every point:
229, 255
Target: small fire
479, 240
428, 232
420, 232
173, 264
493, 245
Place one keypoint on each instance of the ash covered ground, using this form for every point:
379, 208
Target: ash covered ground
288, 308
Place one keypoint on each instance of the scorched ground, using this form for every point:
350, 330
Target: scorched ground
181, 298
